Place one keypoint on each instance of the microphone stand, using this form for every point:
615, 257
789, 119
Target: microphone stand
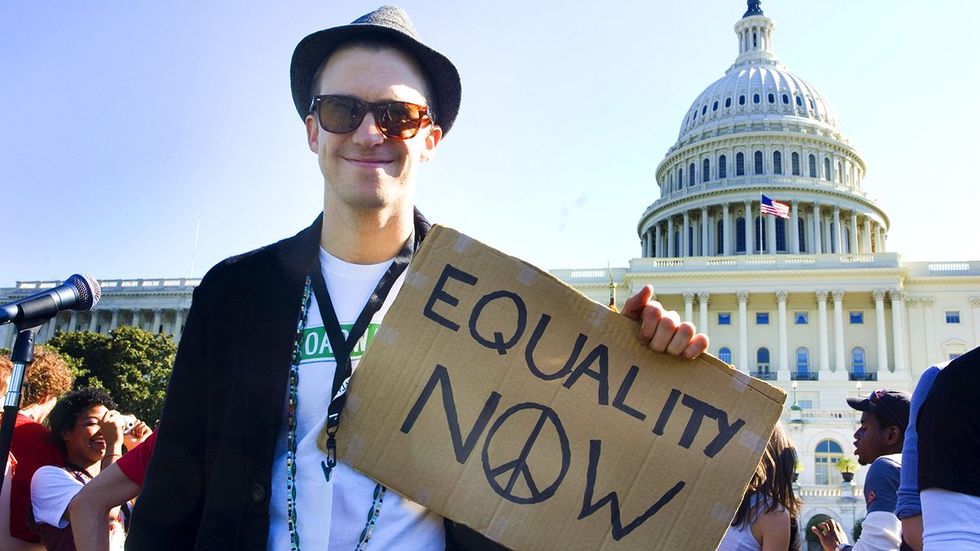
21, 356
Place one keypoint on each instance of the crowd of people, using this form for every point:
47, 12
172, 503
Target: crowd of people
245, 406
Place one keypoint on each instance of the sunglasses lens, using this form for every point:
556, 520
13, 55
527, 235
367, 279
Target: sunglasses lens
400, 120
340, 115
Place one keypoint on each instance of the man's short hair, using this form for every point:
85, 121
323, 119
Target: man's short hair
374, 43
48, 375
64, 414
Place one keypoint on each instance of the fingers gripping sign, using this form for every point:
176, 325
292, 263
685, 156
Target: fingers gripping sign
662, 329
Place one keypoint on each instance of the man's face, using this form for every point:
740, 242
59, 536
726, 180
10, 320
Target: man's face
871, 440
84, 443
364, 170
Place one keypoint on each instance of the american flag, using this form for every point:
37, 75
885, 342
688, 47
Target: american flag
774, 208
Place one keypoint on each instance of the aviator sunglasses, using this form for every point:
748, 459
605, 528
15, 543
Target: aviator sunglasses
399, 120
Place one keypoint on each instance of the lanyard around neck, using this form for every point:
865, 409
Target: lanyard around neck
342, 346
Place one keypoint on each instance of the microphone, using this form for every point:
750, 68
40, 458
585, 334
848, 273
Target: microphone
78, 292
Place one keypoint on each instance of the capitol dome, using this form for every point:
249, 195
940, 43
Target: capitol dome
761, 130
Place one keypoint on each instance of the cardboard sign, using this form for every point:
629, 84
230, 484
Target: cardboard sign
503, 399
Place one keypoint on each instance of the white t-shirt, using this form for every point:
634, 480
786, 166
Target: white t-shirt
52, 489
331, 515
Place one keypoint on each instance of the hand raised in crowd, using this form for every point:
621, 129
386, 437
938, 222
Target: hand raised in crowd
137, 435
111, 427
831, 534
663, 330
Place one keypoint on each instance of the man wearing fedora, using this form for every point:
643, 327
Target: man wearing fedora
246, 451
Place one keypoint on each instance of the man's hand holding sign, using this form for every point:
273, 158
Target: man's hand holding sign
504, 400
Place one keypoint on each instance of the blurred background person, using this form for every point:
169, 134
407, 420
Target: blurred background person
765, 520
89, 432
46, 379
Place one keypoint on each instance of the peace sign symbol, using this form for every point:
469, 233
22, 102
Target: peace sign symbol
504, 477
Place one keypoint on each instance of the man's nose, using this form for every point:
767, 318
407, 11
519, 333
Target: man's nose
368, 133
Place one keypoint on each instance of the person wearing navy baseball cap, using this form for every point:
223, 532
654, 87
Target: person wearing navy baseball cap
877, 442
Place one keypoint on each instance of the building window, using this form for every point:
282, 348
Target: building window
756, 98
728, 102
802, 362
691, 177
722, 167
740, 164
724, 318
781, 234
813, 105
758, 162
677, 243
826, 169
720, 238
762, 363
813, 166
840, 172
762, 318
795, 160
772, 98
725, 354
680, 178
706, 171
857, 362
695, 116
801, 318
704, 110
785, 99
740, 235
857, 318
799, 101
801, 234
825, 459
714, 106
952, 316
741, 100
777, 162
953, 355
690, 241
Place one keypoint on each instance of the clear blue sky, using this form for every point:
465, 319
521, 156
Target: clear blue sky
123, 123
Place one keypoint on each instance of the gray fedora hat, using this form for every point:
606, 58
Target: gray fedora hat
388, 22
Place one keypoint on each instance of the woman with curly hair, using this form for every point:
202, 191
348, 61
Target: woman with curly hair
766, 518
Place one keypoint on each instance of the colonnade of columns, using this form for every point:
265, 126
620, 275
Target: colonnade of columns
827, 229
163, 320
832, 366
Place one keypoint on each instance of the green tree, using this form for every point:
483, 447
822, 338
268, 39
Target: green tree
133, 365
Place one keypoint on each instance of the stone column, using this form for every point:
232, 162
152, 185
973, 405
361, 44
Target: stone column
840, 360
670, 237
685, 245
882, 352
828, 243
93, 321
178, 321
115, 319
136, 318
704, 232
782, 373
726, 232
5, 336
689, 307
898, 330
73, 322
794, 229
743, 331
881, 239
817, 246
157, 318
853, 244
823, 346
656, 250
770, 233
866, 241
838, 232
703, 307
749, 229
933, 354
49, 329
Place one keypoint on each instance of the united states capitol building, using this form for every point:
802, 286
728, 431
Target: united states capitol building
815, 303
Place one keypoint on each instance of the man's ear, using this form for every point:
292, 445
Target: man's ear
894, 435
312, 134
432, 140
